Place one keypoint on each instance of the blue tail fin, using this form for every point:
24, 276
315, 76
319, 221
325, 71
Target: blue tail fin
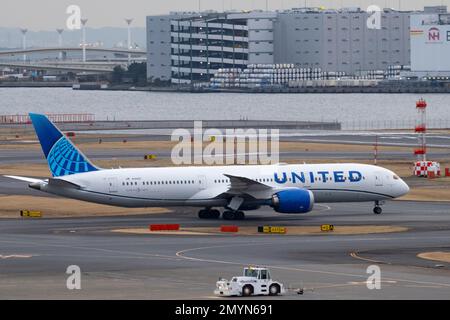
62, 156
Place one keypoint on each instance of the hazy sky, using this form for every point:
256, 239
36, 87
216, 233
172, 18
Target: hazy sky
49, 14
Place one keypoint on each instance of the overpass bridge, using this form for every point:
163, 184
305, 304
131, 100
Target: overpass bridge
70, 49
60, 66
69, 66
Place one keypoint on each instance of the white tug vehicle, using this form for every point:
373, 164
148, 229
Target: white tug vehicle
254, 281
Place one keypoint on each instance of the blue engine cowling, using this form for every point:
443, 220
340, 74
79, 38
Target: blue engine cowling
293, 201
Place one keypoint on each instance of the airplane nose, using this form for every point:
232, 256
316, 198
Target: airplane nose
404, 188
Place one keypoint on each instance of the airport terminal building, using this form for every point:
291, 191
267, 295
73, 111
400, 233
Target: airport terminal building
189, 47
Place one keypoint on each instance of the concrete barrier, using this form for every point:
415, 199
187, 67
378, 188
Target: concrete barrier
229, 229
164, 227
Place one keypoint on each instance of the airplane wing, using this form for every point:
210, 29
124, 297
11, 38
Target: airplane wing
245, 186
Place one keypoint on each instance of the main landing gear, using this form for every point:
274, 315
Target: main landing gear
215, 214
377, 209
233, 215
209, 214
232, 212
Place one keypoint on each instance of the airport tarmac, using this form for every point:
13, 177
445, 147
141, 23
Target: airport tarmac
438, 146
35, 156
34, 255
435, 139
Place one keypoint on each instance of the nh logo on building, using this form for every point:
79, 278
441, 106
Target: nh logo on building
434, 34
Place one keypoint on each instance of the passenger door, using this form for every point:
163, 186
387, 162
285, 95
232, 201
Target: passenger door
201, 180
378, 179
112, 185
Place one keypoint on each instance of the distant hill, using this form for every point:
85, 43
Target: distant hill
109, 36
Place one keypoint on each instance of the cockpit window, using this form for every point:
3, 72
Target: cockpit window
396, 177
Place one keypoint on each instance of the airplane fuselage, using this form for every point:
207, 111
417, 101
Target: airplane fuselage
210, 186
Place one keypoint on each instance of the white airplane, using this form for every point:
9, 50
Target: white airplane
290, 189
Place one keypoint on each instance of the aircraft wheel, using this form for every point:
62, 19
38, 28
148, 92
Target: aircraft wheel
239, 215
215, 214
203, 214
228, 215
377, 210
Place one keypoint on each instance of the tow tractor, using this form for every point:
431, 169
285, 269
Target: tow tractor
254, 281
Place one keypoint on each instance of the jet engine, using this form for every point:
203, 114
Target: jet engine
293, 201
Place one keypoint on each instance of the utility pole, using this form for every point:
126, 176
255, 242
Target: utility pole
24, 42
60, 31
129, 21
83, 23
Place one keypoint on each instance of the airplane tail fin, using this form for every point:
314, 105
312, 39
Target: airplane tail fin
62, 156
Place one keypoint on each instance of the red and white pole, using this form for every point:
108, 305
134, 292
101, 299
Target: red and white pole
421, 130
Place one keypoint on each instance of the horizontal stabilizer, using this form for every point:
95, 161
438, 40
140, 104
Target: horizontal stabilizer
26, 179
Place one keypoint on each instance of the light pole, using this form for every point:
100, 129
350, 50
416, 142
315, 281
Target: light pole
24, 42
83, 23
60, 31
129, 21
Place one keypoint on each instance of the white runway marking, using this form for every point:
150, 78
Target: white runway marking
392, 280
326, 208
15, 256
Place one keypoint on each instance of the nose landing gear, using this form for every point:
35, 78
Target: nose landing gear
377, 209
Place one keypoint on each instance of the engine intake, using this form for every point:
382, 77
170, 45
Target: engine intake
293, 201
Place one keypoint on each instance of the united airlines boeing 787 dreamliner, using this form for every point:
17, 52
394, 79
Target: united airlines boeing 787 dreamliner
290, 189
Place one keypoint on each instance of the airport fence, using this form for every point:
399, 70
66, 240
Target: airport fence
393, 124
55, 117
